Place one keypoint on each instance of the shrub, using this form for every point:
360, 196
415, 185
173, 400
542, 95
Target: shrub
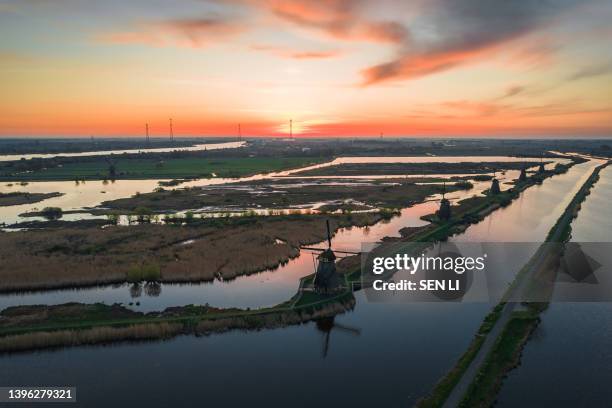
189, 216
464, 185
388, 213
52, 213
145, 272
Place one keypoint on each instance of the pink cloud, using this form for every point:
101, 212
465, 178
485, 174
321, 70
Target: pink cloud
285, 52
195, 32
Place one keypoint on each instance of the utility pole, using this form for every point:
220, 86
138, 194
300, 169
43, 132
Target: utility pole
239, 132
171, 131
147, 131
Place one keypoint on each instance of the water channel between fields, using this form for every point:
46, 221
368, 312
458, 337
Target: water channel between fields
397, 354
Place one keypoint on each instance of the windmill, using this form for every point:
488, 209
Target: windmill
444, 213
326, 325
112, 168
523, 175
495, 184
541, 169
327, 279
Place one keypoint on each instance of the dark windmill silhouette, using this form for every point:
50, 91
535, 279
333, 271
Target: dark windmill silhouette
523, 176
444, 213
495, 184
326, 325
327, 279
112, 168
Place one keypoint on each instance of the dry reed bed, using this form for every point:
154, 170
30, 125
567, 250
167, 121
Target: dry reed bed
96, 335
75, 257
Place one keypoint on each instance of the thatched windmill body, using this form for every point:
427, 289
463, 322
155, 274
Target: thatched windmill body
327, 279
444, 213
495, 184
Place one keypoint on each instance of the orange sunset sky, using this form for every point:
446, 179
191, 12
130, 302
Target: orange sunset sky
336, 67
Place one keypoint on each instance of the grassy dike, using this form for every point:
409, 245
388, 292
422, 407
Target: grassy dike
27, 328
507, 349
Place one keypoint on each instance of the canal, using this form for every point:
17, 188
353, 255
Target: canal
380, 354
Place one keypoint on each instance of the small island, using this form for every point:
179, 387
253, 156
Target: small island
19, 198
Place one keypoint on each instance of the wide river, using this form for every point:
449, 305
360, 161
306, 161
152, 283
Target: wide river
202, 146
380, 354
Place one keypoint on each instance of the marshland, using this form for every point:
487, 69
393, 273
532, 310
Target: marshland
202, 250
246, 261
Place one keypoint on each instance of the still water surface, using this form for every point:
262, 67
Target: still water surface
397, 354
569, 359
258, 290
202, 146
80, 196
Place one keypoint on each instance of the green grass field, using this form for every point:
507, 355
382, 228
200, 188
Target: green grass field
171, 168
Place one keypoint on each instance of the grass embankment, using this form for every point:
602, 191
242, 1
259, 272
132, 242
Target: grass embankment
504, 356
202, 250
161, 168
354, 169
19, 198
444, 387
506, 352
26, 328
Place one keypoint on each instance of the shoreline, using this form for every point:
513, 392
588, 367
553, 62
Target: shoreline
434, 232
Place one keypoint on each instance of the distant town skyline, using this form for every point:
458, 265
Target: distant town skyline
336, 68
